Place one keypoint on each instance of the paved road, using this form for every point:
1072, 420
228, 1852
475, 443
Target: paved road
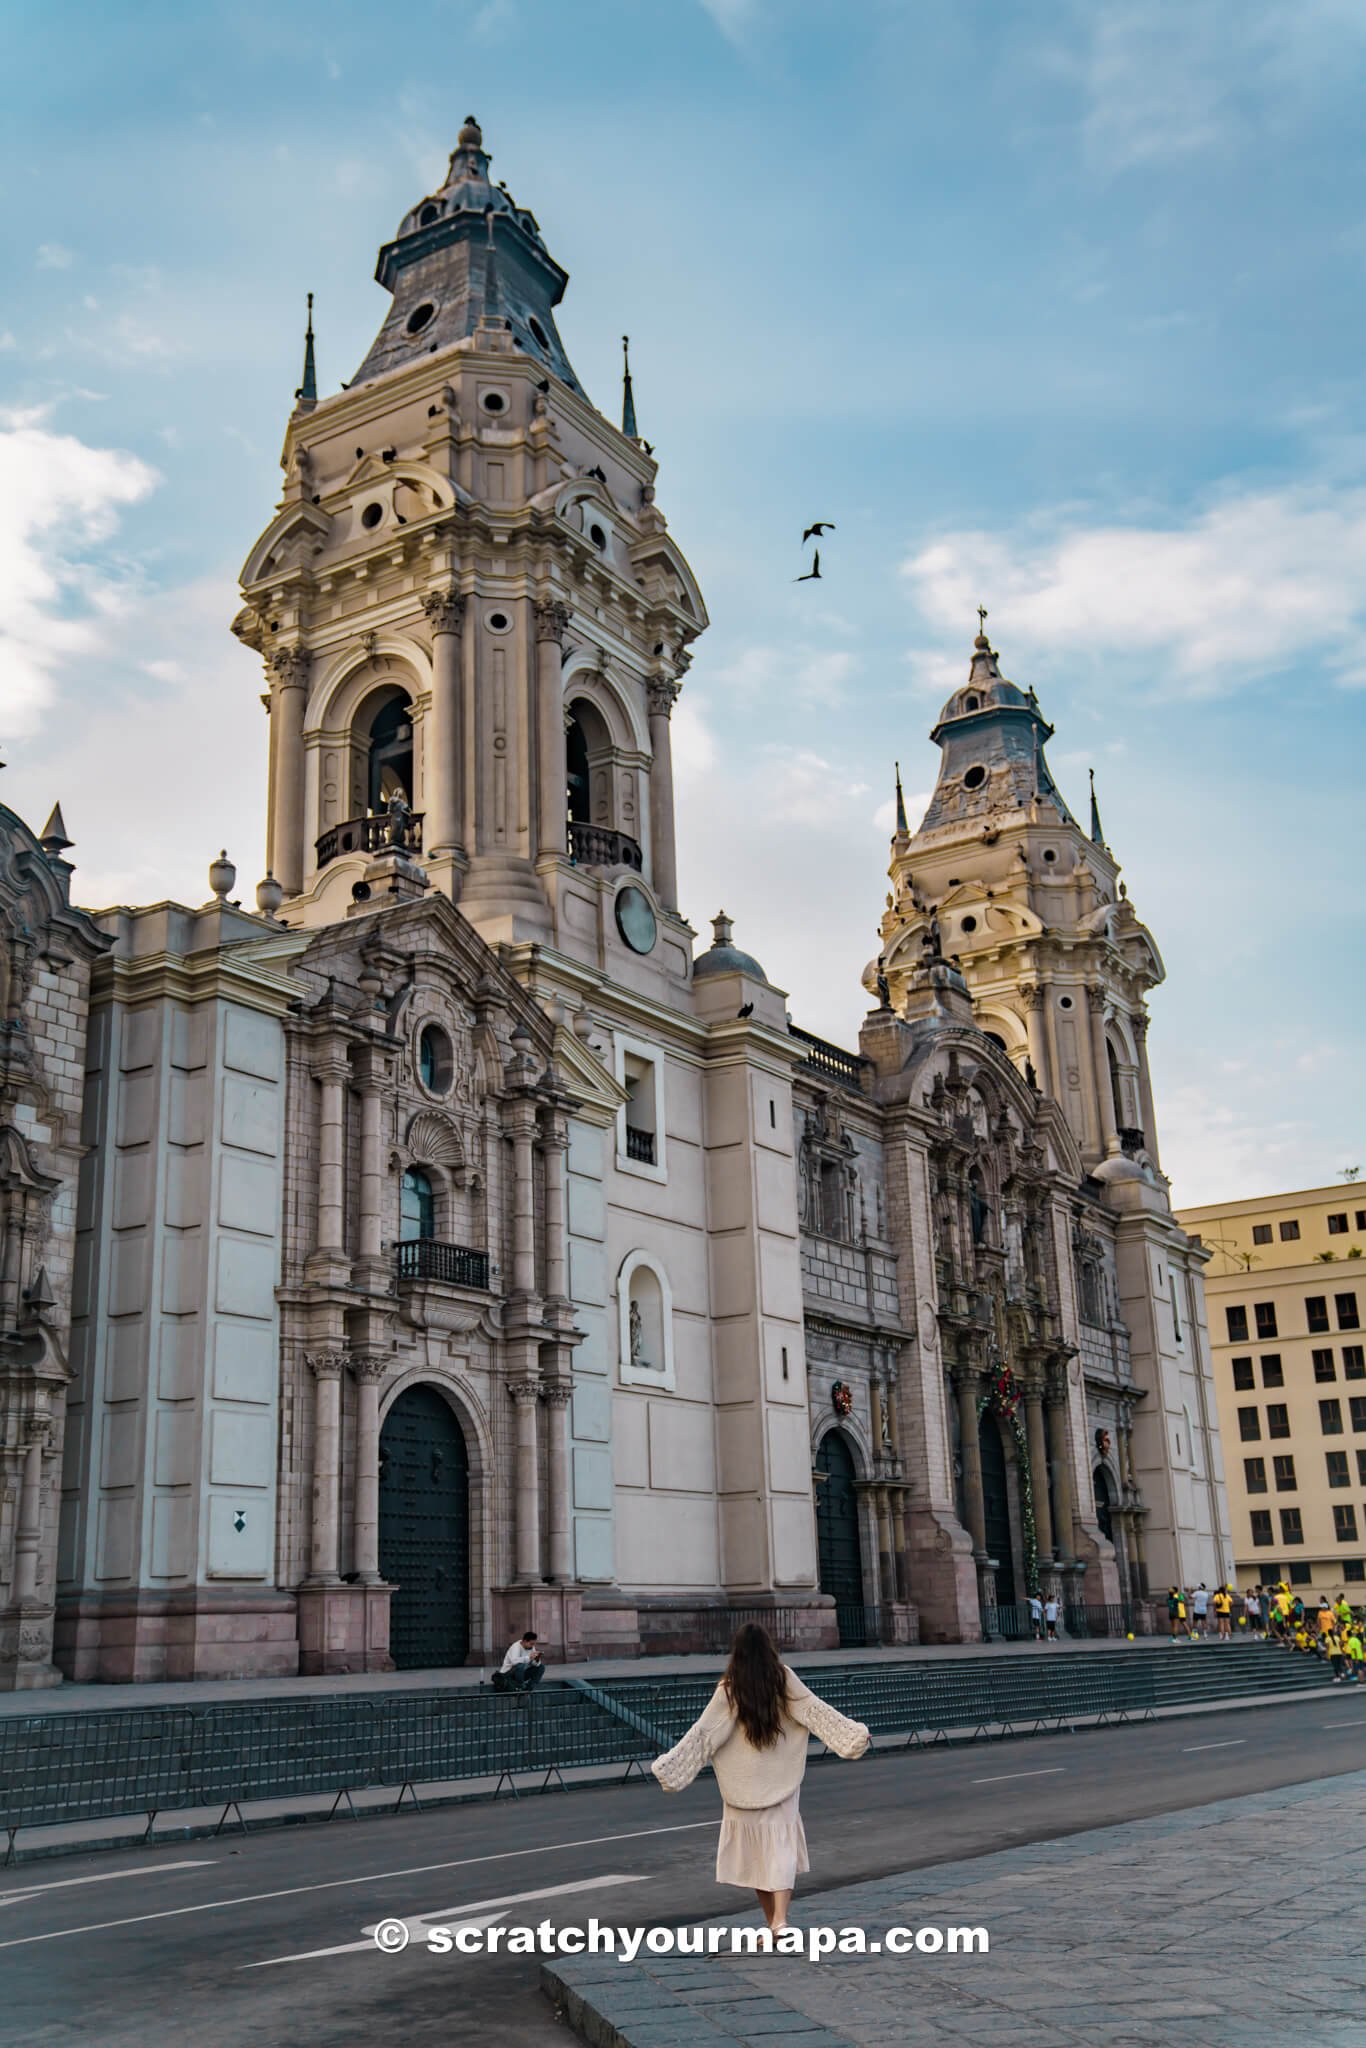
190, 1940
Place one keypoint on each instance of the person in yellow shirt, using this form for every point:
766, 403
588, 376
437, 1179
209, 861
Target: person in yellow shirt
1343, 1610
1223, 1609
1325, 1616
1356, 1655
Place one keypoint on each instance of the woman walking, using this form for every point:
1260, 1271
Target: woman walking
753, 1731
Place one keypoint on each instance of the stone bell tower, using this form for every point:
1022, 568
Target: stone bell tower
473, 619
1030, 906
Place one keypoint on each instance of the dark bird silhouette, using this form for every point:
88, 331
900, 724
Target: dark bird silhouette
600, 474
389, 455
747, 1011
648, 446
543, 384
821, 526
813, 573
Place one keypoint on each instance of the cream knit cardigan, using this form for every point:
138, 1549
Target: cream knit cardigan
751, 1777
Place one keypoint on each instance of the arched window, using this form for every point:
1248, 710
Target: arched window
980, 1207
645, 1310
600, 792
1116, 1089
576, 771
390, 747
417, 1206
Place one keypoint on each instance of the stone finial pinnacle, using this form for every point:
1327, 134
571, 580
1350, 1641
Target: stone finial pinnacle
722, 928
901, 825
307, 393
52, 838
628, 400
1097, 829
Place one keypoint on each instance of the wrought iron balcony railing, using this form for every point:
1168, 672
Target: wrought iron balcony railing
596, 846
372, 834
640, 1145
426, 1258
832, 1061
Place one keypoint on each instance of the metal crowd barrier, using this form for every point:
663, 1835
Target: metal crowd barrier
69, 1767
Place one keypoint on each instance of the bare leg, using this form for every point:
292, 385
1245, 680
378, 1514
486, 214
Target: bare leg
766, 1903
781, 1902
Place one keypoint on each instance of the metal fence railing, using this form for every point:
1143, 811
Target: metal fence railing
70, 1767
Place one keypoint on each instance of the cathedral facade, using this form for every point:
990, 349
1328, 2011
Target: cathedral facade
459, 1249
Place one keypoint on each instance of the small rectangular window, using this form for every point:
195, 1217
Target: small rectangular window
1292, 1529
1323, 1366
1261, 1233
1249, 1425
1261, 1528
1273, 1374
1277, 1419
1285, 1473
1354, 1570
1361, 1219
1254, 1474
1243, 1380
785, 1373
1330, 1417
1265, 1312
1361, 1468
1289, 1231
772, 1114
1345, 1523
1301, 1574
1237, 1325
1353, 1362
1337, 1225
1338, 1474
1316, 1312
1358, 1407
1348, 1319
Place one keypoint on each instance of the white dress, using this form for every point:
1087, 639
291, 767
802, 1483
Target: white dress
762, 1848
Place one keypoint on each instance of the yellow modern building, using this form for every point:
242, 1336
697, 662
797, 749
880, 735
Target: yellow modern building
1286, 1292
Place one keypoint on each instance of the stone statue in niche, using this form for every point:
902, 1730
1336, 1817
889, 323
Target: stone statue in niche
637, 1335
981, 1210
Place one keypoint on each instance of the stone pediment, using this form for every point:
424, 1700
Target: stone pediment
599, 1094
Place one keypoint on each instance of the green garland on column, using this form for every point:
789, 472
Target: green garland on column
1004, 1398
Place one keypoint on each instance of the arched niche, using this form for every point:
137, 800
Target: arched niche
645, 1323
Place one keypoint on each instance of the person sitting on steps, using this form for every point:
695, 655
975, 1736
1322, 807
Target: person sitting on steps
522, 1667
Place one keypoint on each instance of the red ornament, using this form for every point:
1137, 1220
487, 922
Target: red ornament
842, 1398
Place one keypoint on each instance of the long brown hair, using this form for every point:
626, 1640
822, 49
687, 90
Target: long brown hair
756, 1685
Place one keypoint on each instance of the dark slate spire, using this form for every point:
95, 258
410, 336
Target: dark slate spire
52, 838
466, 257
1097, 830
992, 738
901, 824
628, 397
307, 393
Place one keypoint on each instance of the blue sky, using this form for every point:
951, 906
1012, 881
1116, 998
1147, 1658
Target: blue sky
1056, 308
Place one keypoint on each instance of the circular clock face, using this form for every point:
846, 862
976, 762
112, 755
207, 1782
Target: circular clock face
636, 920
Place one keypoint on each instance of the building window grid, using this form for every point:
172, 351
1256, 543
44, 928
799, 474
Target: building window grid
1265, 1314
1249, 1425
1261, 1528
1330, 1417
1254, 1475
1284, 1467
1358, 1408
1236, 1318
1243, 1378
1345, 1522
1338, 1471
1324, 1369
1261, 1233
1273, 1372
1316, 1313
1277, 1419
1337, 1225
1354, 1362
1289, 1231
1292, 1528
1348, 1315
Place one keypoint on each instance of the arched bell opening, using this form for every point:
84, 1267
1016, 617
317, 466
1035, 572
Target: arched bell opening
599, 803
388, 751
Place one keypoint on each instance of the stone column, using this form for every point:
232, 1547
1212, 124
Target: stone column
552, 798
661, 695
443, 767
554, 1145
900, 1565
332, 1074
1038, 1050
327, 1368
369, 1370
521, 1118
526, 1394
557, 1400
1107, 1109
1038, 1474
875, 1390
1145, 1084
369, 1238
29, 1522
288, 702
967, 1384
886, 1582
1060, 1452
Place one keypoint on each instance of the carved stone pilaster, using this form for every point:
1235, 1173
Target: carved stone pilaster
661, 696
290, 666
327, 1365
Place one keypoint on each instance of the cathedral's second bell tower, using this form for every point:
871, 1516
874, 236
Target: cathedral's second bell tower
473, 619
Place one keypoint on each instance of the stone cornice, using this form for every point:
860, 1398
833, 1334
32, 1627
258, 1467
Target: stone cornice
238, 972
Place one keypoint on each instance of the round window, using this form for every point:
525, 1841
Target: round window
498, 622
494, 401
1049, 854
421, 316
635, 919
434, 1060
538, 332
969, 924
974, 778
1064, 1002
372, 515
598, 538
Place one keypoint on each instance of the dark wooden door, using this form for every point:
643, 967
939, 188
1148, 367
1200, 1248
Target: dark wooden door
424, 1531
996, 1506
839, 1551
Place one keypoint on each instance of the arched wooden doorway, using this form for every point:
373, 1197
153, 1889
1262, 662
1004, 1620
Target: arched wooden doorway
424, 1530
838, 1549
996, 1507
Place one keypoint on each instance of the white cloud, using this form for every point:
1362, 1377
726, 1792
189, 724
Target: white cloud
59, 499
735, 18
809, 677
1252, 585
52, 256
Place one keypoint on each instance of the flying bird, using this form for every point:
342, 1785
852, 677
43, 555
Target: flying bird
813, 573
747, 1011
821, 526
